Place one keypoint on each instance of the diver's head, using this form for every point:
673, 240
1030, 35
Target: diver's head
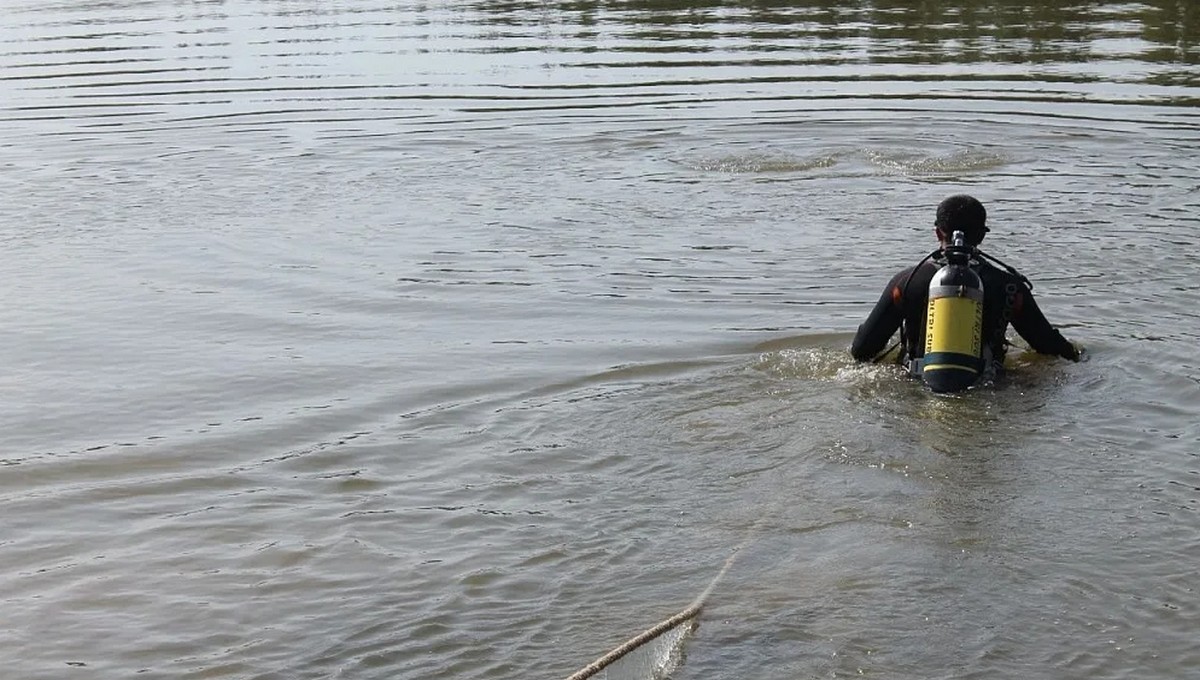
961, 213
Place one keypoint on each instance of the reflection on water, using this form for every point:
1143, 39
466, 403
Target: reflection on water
895, 32
466, 339
1151, 43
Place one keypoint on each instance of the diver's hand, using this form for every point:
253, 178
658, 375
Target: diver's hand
1075, 353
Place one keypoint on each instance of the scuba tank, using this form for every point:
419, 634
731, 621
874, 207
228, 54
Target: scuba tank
954, 323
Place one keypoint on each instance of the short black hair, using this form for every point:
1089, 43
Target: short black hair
962, 213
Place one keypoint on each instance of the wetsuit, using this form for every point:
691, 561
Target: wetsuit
1006, 299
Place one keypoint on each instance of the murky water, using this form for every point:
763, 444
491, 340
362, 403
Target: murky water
468, 339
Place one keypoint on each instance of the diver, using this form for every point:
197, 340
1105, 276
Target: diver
997, 296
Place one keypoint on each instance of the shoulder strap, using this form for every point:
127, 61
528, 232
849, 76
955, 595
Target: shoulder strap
903, 344
1010, 269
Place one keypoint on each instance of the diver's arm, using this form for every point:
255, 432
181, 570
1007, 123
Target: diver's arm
885, 318
1032, 325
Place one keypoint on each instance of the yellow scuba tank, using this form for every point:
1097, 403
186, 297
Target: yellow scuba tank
954, 323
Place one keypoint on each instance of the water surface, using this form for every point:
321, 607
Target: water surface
468, 339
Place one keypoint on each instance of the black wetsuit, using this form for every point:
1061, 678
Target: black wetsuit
1006, 299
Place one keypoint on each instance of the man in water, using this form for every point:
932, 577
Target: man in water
1007, 299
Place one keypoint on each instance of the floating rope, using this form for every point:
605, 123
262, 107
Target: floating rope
637, 641
688, 614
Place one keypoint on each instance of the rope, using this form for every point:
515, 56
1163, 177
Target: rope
637, 641
691, 612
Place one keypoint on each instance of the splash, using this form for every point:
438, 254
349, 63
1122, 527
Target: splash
821, 364
762, 163
916, 163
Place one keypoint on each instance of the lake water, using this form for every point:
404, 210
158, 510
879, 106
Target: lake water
469, 339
